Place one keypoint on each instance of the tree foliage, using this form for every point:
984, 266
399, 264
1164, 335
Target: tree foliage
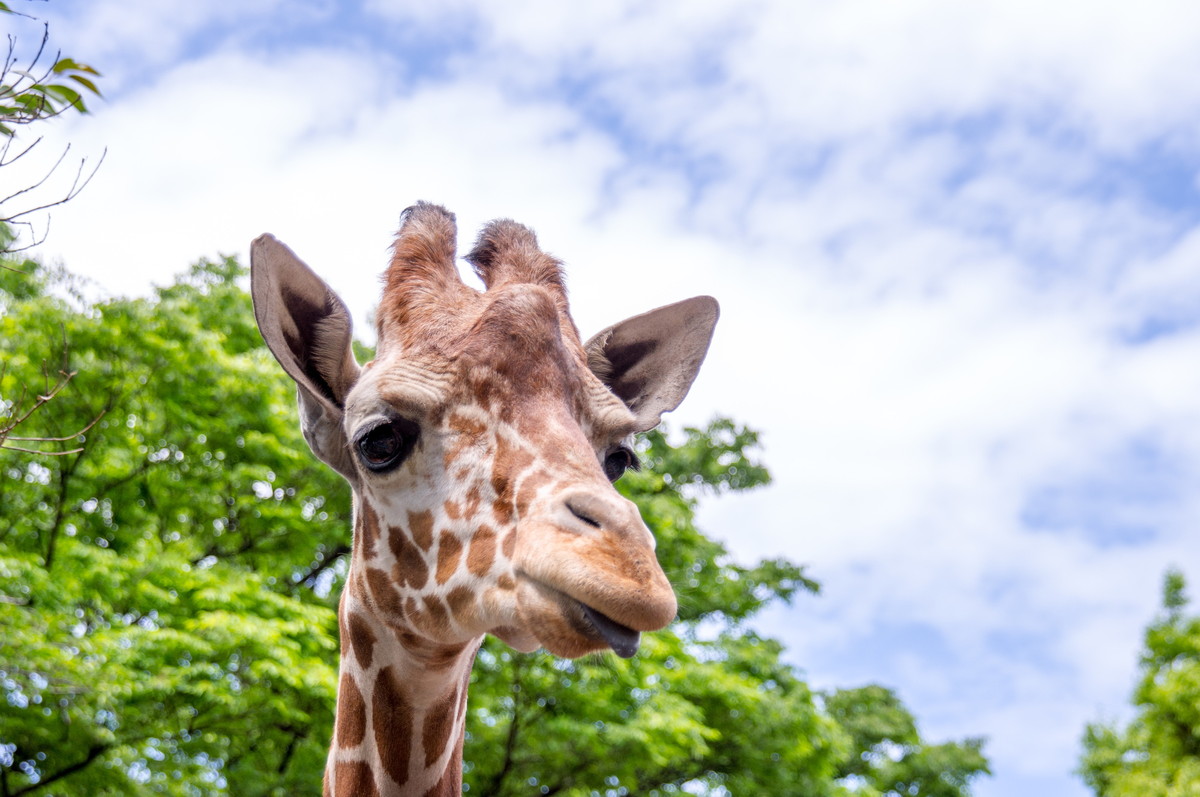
1158, 753
888, 756
36, 87
167, 596
35, 90
159, 636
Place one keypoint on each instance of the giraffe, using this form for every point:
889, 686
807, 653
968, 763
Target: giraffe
481, 446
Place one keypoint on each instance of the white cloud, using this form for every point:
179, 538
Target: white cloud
929, 269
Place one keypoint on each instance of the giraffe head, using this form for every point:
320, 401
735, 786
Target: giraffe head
482, 441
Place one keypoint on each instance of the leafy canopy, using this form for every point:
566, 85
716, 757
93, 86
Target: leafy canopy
1158, 753
167, 595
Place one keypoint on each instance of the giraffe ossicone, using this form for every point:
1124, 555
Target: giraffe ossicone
480, 444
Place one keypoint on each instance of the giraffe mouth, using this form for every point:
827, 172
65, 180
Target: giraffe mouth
622, 639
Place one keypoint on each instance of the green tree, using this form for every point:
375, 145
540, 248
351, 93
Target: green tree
160, 629
32, 91
888, 756
1158, 753
167, 595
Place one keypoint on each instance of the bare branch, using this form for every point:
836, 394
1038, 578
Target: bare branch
36, 242
94, 752
13, 269
8, 142
72, 192
41, 401
7, 447
39, 183
329, 561
44, 398
84, 430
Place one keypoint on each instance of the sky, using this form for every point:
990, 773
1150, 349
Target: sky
957, 249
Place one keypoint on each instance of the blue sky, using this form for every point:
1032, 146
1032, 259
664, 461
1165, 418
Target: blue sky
957, 249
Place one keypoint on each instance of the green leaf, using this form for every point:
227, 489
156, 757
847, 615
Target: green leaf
65, 93
86, 83
71, 65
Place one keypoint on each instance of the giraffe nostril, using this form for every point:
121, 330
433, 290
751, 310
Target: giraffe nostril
586, 511
582, 515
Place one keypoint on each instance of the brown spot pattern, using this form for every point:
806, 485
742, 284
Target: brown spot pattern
465, 424
351, 713
436, 620
509, 546
384, 592
460, 599
506, 581
392, 717
355, 777
432, 655
450, 784
368, 529
509, 463
468, 431
449, 550
502, 509
411, 569
362, 639
529, 488
474, 497
420, 525
439, 722
482, 552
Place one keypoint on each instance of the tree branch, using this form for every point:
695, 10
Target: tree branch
64, 376
77, 185
510, 743
326, 563
60, 510
297, 736
94, 752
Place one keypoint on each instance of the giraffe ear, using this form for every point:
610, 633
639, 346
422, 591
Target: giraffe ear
650, 361
307, 327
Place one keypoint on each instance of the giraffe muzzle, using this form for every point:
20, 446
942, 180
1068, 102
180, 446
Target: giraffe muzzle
587, 511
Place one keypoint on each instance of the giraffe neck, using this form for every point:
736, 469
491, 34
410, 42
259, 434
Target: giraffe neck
401, 708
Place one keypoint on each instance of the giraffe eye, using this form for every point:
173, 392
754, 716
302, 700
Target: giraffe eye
618, 461
386, 445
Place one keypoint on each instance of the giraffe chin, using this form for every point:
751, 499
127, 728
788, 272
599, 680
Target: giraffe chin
569, 628
516, 638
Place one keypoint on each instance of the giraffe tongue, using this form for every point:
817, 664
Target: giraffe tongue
622, 639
